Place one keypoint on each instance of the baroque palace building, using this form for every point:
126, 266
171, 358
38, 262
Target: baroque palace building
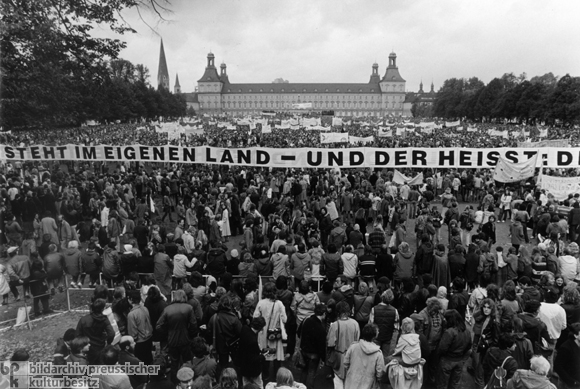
379, 97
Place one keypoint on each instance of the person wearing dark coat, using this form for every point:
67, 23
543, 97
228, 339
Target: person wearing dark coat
227, 329
424, 256
127, 356
498, 356
38, 287
93, 326
216, 262
251, 363
178, 323
155, 304
457, 262
568, 359
313, 344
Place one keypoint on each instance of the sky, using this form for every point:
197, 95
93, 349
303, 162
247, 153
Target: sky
339, 40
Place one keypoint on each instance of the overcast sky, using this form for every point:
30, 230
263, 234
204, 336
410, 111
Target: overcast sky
338, 40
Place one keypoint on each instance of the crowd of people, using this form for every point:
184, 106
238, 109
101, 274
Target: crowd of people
211, 132
237, 277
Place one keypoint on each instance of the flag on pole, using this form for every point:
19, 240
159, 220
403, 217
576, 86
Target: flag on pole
507, 171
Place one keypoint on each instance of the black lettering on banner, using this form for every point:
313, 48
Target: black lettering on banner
564, 158
89, 153
188, 154
310, 160
446, 157
356, 158
35, 152
244, 156
108, 152
144, 153
208, 157
159, 153
465, 158
9, 151
226, 157
21, 151
48, 152
382, 158
512, 156
419, 156
530, 154
479, 158
400, 157
492, 158
61, 149
335, 158
77, 152
119, 153
129, 153
262, 157
173, 154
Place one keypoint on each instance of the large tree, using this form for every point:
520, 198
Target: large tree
50, 59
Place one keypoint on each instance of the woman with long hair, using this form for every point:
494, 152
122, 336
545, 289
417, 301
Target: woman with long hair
285, 380
270, 337
342, 333
486, 332
454, 350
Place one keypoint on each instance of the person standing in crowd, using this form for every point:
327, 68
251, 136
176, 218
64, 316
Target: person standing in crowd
536, 377
568, 359
251, 363
341, 335
274, 313
178, 324
313, 344
363, 361
93, 326
386, 318
139, 327
454, 350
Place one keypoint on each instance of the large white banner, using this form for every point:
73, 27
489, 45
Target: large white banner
333, 137
359, 139
452, 124
301, 157
560, 187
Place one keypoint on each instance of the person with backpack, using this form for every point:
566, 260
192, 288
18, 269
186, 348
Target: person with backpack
498, 362
488, 267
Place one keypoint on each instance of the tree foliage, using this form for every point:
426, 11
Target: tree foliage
55, 72
511, 97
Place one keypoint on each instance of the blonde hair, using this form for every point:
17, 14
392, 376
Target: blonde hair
408, 326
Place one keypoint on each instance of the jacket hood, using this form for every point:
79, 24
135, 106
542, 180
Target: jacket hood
264, 261
368, 347
99, 318
410, 339
439, 254
301, 256
406, 255
70, 251
310, 297
529, 379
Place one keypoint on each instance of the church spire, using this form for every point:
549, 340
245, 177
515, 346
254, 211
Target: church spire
421, 87
177, 87
432, 87
162, 73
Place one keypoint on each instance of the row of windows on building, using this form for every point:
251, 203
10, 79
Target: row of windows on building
276, 104
387, 88
338, 113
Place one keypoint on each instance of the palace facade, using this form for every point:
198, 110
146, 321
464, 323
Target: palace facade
378, 97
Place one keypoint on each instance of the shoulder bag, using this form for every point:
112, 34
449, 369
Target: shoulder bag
333, 359
273, 333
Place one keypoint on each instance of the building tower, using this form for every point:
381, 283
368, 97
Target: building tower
224, 74
162, 73
421, 87
177, 87
432, 87
375, 78
392, 89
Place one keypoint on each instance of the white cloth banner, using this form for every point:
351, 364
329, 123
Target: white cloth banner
364, 140
560, 187
384, 133
400, 131
266, 129
507, 171
452, 124
472, 129
543, 132
311, 122
334, 137
427, 124
400, 178
336, 121
412, 157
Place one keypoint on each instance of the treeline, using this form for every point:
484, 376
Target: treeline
542, 98
56, 72
121, 91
